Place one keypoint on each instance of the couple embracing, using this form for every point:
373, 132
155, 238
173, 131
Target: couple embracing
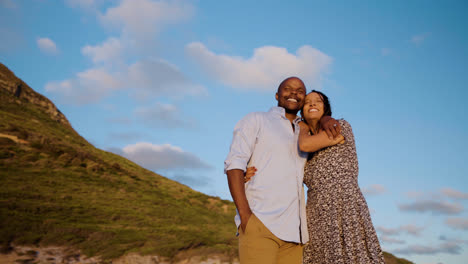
272, 154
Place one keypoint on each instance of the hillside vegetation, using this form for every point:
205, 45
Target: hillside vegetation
57, 189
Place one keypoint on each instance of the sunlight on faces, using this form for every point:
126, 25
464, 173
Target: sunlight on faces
291, 94
313, 107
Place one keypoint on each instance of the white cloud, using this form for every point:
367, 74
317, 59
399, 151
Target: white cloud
454, 193
267, 67
163, 115
47, 46
457, 223
152, 78
454, 240
390, 240
409, 229
420, 38
144, 79
88, 86
171, 161
162, 157
373, 189
412, 229
142, 19
434, 206
109, 51
99, 78
388, 231
449, 247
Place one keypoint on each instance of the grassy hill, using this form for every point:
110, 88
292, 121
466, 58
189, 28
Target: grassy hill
57, 189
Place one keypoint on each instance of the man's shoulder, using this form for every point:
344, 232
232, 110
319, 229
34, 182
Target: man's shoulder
255, 115
253, 119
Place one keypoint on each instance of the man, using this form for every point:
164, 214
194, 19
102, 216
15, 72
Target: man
271, 208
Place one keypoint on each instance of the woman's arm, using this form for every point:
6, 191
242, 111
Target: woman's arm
312, 143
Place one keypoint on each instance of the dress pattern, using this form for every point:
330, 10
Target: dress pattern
338, 219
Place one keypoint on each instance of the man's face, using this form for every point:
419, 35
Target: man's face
291, 95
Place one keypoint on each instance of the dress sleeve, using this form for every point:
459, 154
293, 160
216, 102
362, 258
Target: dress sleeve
243, 142
347, 131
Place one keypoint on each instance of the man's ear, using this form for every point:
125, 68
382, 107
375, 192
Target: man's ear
276, 96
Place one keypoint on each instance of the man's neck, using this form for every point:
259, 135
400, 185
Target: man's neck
291, 116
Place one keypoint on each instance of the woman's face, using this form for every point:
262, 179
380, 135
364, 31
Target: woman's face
313, 107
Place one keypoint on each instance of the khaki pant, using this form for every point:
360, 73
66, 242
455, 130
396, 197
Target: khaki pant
257, 245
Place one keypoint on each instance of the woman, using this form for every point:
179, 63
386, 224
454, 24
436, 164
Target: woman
340, 227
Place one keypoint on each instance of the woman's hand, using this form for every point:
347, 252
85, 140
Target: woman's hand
338, 140
249, 173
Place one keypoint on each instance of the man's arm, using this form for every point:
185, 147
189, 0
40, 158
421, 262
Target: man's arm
331, 126
236, 186
243, 143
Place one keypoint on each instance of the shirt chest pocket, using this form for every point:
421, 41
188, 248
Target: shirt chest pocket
273, 138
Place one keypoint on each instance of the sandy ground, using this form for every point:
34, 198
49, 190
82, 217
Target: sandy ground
26, 255
56, 255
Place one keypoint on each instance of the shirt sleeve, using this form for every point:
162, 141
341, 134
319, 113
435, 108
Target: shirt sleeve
243, 143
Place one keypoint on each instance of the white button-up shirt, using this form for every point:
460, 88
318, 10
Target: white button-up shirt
266, 140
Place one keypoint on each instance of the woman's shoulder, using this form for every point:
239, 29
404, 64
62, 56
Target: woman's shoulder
345, 127
343, 122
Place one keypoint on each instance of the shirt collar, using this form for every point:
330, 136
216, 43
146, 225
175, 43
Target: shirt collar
281, 112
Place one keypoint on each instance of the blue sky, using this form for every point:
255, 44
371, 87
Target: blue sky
164, 82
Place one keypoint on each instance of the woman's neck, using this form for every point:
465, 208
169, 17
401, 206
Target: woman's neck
314, 126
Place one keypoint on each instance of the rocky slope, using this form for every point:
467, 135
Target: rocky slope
12, 84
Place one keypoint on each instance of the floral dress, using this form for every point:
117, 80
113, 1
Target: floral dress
338, 219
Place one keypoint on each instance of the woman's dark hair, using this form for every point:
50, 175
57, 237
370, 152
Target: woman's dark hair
326, 104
